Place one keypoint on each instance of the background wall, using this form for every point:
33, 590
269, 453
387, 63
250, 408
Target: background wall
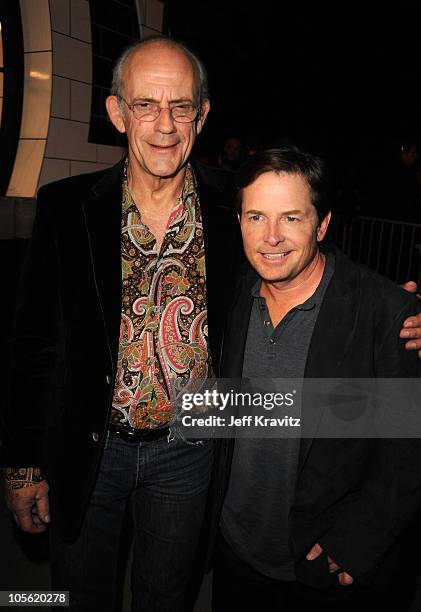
70, 47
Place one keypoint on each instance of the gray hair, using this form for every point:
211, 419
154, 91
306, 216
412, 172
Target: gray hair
200, 75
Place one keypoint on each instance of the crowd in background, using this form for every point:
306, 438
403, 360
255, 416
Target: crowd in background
388, 187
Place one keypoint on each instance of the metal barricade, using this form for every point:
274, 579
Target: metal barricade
392, 248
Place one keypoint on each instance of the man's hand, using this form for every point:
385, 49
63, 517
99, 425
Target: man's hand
344, 578
30, 507
412, 326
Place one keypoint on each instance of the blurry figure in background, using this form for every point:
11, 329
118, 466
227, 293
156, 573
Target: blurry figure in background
252, 144
408, 154
232, 154
401, 193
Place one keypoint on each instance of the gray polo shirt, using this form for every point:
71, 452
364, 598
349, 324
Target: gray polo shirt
256, 509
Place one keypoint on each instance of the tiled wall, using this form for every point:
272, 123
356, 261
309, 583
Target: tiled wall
115, 25
71, 148
68, 151
36, 97
55, 140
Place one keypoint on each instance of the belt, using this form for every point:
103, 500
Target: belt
138, 435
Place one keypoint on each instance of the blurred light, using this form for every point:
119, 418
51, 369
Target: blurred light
42, 76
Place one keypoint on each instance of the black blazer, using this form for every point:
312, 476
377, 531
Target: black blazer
354, 496
65, 342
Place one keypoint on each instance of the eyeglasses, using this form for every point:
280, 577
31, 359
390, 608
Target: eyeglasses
149, 111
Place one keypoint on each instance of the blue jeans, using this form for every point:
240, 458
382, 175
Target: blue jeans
167, 484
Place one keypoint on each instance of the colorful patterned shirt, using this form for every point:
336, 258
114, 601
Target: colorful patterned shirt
163, 332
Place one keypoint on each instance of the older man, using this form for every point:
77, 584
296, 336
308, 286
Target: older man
309, 522
123, 292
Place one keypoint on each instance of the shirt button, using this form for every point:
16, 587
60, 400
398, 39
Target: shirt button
267, 322
95, 436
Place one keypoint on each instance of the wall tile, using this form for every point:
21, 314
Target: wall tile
61, 98
37, 95
80, 101
72, 58
84, 167
60, 15
154, 14
127, 21
53, 170
36, 25
148, 32
27, 168
102, 131
113, 44
141, 10
80, 20
69, 140
103, 72
110, 155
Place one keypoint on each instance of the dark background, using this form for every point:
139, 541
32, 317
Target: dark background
344, 79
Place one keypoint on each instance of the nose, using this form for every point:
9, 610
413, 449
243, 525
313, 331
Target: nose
274, 234
164, 122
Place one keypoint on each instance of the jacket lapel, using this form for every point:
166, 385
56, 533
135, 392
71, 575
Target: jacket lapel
103, 223
328, 349
235, 333
223, 254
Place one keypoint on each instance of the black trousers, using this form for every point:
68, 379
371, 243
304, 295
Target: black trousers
237, 586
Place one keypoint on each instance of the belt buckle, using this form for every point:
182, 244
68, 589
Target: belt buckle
139, 435
127, 436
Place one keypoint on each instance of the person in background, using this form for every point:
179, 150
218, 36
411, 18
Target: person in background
232, 154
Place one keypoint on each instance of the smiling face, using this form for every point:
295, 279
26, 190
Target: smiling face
280, 228
162, 74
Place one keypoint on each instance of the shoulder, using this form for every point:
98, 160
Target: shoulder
78, 187
216, 187
377, 293
217, 178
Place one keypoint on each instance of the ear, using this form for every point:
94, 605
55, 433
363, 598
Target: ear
115, 114
203, 114
322, 229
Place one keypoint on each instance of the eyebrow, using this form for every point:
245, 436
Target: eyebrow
295, 211
154, 101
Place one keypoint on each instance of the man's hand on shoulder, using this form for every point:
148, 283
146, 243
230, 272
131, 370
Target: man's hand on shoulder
411, 330
27, 499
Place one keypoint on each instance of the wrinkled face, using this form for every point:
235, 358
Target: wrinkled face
280, 227
164, 75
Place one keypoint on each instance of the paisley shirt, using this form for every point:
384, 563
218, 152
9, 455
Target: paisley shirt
163, 331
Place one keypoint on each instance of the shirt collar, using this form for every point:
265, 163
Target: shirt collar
314, 299
189, 188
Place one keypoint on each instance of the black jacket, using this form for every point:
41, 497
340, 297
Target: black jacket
65, 342
354, 496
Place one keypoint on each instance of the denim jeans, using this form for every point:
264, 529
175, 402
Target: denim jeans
166, 481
